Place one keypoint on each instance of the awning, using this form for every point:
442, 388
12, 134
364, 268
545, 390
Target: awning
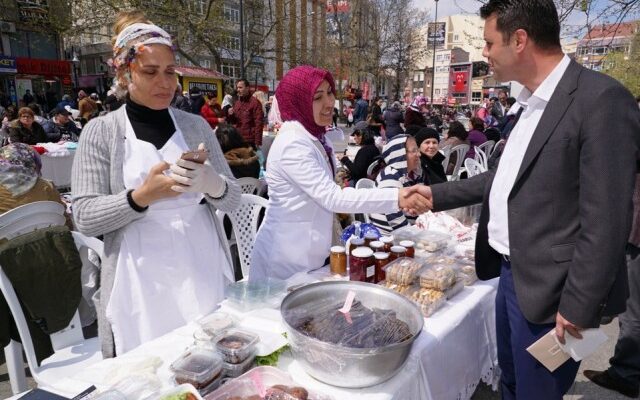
198, 72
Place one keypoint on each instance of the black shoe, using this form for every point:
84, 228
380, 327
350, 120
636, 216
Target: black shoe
604, 379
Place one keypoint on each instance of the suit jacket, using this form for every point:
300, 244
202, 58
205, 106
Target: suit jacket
570, 209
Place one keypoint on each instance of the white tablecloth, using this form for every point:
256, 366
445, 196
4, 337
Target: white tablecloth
456, 350
57, 168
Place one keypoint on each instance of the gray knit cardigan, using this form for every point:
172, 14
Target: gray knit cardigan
100, 205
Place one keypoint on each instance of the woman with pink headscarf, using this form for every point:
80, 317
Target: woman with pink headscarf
414, 116
296, 233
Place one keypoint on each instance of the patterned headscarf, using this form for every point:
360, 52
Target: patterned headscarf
295, 99
417, 103
131, 42
19, 168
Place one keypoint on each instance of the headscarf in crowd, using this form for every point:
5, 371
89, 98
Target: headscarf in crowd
20, 167
295, 99
274, 116
227, 100
417, 103
131, 42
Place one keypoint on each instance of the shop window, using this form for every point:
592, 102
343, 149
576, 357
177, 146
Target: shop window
42, 45
476, 96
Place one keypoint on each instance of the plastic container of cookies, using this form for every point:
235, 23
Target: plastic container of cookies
466, 274
454, 290
424, 240
404, 290
438, 277
428, 300
403, 270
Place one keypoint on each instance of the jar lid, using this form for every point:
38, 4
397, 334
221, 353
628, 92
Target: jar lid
398, 249
362, 252
381, 256
337, 249
376, 243
407, 243
387, 239
357, 241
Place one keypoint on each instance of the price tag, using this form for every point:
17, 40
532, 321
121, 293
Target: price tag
348, 302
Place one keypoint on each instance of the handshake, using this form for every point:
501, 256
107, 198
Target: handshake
415, 200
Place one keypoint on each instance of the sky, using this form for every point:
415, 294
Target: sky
573, 27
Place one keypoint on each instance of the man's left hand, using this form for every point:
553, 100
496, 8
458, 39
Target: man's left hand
563, 325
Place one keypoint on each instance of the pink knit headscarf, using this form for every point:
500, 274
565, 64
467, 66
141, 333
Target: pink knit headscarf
295, 100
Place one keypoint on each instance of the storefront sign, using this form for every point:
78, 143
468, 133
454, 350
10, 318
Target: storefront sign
205, 87
7, 65
32, 66
435, 34
34, 11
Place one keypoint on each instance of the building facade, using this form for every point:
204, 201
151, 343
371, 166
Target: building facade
601, 40
31, 56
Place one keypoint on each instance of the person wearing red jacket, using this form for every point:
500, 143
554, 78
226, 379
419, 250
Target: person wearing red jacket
247, 115
212, 112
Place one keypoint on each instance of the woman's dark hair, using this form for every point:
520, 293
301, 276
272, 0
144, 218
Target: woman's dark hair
35, 108
11, 113
367, 136
477, 124
539, 18
229, 138
456, 129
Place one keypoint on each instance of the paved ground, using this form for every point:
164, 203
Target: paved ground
582, 388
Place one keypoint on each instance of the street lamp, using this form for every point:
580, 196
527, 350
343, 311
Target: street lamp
433, 62
75, 62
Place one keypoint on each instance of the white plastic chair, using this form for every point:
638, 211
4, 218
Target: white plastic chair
365, 183
461, 151
245, 226
72, 351
249, 185
487, 146
473, 167
371, 167
480, 157
495, 147
446, 152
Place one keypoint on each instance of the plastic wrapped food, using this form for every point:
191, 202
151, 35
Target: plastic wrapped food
398, 288
403, 270
428, 300
235, 370
181, 392
361, 327
216, 323
264, 383
454, 290
198, 367
439, 277
466, 274
424, 240
236, 346
440, 259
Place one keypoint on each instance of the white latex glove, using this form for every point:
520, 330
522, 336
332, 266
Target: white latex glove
197, 178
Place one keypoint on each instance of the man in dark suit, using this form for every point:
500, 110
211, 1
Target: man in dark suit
556, 211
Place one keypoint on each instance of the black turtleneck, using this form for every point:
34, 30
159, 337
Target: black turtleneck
153, 126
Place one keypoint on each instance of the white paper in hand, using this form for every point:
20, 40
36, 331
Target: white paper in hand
579, 349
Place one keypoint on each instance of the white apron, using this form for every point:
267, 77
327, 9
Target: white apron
171, 267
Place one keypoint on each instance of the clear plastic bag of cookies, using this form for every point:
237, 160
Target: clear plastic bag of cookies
437, 276
404, 290
466, 274
403, 271
428, 300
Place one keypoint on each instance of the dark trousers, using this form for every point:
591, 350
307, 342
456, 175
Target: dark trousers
523, 377
625, 362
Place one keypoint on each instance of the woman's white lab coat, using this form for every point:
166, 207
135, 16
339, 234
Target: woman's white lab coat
303, 197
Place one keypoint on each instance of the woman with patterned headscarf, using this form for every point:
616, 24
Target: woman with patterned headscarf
296, 233
414, 116
20, 181
402, 158
165, 263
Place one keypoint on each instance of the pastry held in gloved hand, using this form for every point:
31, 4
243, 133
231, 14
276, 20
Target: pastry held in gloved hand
197, 178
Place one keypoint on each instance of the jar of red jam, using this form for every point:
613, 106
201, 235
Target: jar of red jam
377, 246
370, 237
361, 265
355, 243
409, 245
397, 252
381, 260
388, 243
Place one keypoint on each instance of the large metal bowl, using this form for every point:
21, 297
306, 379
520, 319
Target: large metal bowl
343, 366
